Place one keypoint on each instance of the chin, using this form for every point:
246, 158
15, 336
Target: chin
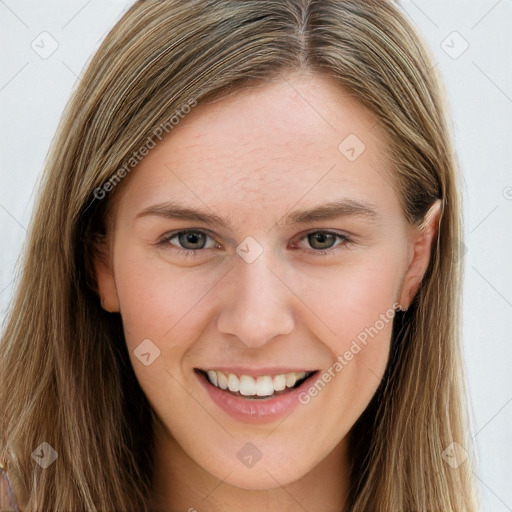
264, 475
264, 479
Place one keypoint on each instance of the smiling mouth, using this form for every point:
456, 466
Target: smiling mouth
263, 387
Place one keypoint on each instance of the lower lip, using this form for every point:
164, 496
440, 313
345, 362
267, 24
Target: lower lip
253, 411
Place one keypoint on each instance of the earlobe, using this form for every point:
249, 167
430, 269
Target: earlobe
422, 244
105, 281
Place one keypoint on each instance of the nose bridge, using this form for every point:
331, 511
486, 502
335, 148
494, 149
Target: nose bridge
256, 306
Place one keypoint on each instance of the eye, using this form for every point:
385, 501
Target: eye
324, 242
188, 241
321, 240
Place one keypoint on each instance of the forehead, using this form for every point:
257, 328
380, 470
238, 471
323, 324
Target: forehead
303, 138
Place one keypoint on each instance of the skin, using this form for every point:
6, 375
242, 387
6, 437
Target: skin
251, 159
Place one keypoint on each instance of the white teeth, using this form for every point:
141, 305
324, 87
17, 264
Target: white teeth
223, 380
233, 383
264, 385
213, 377
247, 385
279, 382
291, 379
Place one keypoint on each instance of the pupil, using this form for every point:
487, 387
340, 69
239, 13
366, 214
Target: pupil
325, 240
197, 240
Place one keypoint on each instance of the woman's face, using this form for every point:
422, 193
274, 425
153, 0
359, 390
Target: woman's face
262, 242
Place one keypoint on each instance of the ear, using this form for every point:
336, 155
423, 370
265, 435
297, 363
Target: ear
423, 238
105, 280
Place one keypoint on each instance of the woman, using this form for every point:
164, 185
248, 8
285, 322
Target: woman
241, 289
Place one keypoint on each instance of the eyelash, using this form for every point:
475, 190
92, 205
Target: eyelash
165, 242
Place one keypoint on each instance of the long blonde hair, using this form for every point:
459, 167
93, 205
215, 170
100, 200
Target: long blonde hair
67, 378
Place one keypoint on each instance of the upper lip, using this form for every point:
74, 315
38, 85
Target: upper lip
257, 372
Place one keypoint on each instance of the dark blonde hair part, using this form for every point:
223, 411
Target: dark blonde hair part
67, 374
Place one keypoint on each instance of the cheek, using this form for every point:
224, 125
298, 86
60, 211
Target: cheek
351, 298
357, 303
156, 299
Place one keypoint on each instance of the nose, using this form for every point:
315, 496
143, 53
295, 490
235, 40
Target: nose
256, 305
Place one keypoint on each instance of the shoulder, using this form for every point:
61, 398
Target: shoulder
7, 497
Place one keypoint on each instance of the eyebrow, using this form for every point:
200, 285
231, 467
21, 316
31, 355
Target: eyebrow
327, 211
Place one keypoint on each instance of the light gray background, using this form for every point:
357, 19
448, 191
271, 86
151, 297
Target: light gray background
34, 90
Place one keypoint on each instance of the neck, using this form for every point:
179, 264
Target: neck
180, 484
